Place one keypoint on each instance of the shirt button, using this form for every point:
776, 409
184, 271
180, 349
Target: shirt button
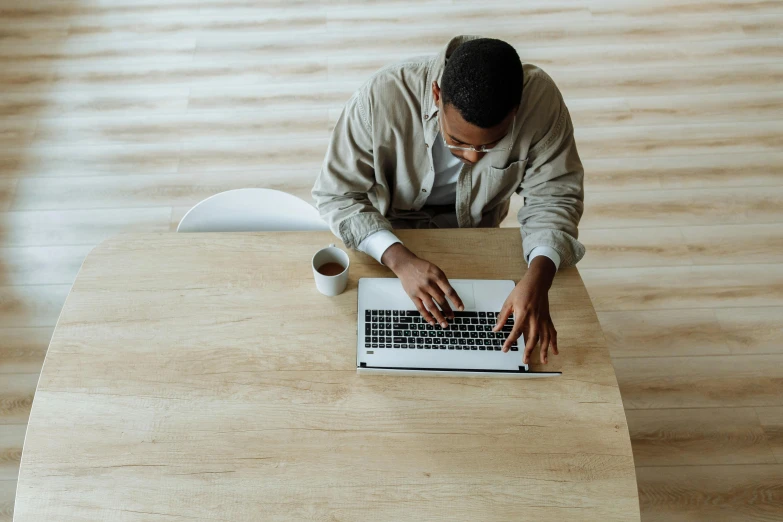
426, 116
424, 190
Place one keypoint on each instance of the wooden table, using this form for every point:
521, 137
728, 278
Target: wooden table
202, 377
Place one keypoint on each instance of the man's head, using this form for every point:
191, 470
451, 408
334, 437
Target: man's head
480, 91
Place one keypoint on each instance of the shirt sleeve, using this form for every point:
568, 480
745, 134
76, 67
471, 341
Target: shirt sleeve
377, 243
553, 186
342, 188
545, 251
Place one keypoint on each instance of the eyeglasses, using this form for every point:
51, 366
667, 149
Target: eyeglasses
483, 148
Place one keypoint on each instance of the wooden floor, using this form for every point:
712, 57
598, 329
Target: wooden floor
117, 115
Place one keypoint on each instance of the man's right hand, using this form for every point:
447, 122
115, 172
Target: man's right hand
425, 284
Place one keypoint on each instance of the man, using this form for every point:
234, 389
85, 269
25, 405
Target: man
445, 142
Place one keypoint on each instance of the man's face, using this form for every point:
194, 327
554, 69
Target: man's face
460, 133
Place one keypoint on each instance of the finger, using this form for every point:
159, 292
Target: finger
451, 294
423, 311
503, 316
554, 340
532, 339
513, 336
434, 310
442, 302
544, 345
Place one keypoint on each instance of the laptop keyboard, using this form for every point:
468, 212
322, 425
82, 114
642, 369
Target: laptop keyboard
407, 329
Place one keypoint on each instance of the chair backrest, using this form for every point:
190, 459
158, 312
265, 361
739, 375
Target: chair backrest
251, 210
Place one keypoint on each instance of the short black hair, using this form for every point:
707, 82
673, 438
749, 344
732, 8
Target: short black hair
483, 81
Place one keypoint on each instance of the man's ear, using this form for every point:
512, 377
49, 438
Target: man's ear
435, 92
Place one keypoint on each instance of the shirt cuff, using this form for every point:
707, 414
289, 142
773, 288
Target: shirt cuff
375, 245
545, 251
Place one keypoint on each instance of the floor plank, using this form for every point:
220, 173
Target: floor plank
206, 72
16, 397
11, 442
192, 126
694, 80
671, 333
16, 132
246, 155
771, 420
7, 493
258, 97
684, 287
40, 159
752, 330
728, 244
7, 191
634, 247
41, 265
78, 227
667, 110
663, 333
747, 493
92, 28
671, 246
35, 305
49, 11
114, 53
687, 207
22, 350
548, 31
683, 7
621, 54
665, 140
595, 52
163, 190
689, 171
85, 103
701, 382
177, 213
694, 436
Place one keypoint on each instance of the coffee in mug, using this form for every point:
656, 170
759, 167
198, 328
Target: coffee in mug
330, 270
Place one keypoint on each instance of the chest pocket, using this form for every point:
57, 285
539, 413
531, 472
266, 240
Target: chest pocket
502, 183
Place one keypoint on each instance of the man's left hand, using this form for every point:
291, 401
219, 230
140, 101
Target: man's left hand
529, 304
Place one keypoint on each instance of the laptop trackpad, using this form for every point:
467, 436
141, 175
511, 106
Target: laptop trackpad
465, 292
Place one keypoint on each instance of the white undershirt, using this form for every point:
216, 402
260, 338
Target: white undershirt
444, 192
447, 168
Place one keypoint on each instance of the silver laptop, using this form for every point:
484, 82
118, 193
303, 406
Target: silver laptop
393, 339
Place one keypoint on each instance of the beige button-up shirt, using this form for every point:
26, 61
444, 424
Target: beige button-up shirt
378, 170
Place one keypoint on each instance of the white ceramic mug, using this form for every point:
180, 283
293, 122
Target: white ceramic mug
330, 285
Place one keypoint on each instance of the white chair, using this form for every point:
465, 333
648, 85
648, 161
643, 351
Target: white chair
251, 210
